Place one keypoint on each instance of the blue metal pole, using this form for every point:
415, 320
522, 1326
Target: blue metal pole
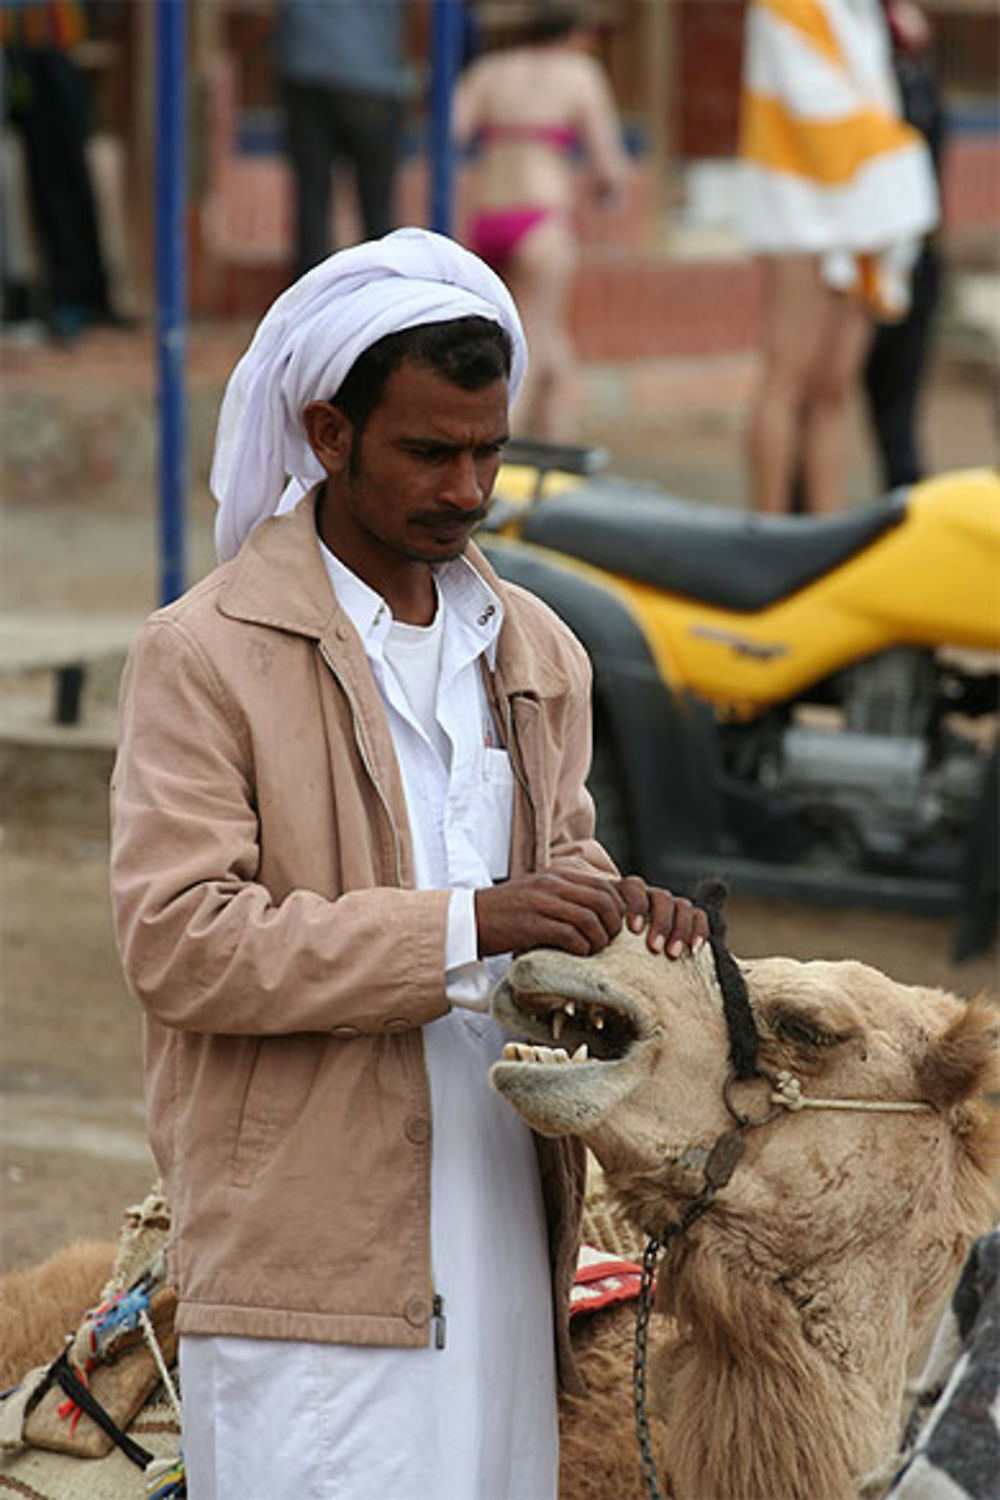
171, 204
446, 35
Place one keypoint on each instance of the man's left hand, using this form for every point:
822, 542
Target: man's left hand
673, 923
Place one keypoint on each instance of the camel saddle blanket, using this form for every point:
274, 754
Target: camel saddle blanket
112, 1358
602, 1279
952, 1444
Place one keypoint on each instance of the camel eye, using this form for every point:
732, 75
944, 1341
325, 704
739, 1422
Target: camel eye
804, 1033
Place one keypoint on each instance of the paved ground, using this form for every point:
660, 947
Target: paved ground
72, 1150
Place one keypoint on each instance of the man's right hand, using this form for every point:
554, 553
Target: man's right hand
578, 913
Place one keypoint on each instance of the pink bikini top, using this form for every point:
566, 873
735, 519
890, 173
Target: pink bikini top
562, 137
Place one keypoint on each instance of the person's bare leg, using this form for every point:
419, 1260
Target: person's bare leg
794, 303
848, 332
541, 279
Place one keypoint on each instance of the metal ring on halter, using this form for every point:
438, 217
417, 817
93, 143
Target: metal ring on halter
745, 1121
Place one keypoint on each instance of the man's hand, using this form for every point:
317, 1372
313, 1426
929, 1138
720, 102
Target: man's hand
578, 913
581, 914
674, 922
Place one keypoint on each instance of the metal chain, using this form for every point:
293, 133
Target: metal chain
721, 1163
642, 1316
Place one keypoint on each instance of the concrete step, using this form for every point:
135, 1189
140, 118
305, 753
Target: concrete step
54, 780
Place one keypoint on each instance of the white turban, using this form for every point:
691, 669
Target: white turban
306, 344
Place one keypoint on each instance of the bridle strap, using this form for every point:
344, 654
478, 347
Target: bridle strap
787, 1092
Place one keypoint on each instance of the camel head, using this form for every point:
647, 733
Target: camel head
808, 1250
632, 1053
815, 1269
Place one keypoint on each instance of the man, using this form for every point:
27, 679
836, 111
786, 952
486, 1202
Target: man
351, 779
343, 87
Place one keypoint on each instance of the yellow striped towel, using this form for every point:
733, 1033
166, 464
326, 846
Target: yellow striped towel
829, 167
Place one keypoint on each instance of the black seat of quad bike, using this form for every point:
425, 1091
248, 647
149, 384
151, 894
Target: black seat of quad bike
732, 559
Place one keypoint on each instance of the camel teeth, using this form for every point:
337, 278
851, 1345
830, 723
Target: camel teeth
546, 1056
597, 1019
558, 1022
569, 1008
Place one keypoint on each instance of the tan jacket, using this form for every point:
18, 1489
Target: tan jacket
262, 874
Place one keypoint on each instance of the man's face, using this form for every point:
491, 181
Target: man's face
421, 476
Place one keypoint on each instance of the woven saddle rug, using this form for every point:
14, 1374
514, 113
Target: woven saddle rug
951, 1448
52, 1450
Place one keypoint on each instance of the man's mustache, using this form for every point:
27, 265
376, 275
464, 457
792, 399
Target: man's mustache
453, 515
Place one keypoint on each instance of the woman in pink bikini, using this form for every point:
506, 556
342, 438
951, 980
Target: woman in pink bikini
534, 112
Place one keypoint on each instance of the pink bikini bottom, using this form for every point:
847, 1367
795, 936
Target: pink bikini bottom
496, 234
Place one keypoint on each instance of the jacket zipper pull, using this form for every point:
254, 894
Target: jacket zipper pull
440, 1321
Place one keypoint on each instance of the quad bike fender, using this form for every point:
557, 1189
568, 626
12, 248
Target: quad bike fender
655, 771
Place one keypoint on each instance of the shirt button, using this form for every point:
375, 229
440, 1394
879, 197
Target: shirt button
418, 1130
344, 1033
417, 1311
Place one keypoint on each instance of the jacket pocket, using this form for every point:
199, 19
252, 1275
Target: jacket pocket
251, 1124
279, 1080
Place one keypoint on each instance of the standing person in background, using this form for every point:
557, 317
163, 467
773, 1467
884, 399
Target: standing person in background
837, 193
47, 98
343, 87
894, 373
531, 110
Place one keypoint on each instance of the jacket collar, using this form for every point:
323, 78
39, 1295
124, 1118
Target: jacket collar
278, 578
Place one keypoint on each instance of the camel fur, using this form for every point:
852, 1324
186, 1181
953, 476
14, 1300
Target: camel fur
802, 1299
41, 1304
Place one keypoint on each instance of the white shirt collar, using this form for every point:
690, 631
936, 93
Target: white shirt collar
471, 604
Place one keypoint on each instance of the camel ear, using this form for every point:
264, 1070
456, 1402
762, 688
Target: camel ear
964, 1059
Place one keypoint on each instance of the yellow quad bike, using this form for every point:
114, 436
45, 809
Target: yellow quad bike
805, 706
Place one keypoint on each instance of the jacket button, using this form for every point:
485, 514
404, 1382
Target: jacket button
398, 1023
344, 1033
418, 1130
417, 1311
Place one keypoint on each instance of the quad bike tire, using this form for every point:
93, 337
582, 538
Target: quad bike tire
607, 787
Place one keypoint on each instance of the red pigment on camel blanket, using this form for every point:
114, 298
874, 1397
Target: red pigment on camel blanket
602, 1279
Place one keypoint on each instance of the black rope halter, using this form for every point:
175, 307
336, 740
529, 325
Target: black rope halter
722, 1159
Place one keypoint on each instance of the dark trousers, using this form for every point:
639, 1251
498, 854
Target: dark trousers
894, 376
323, 125
50, 108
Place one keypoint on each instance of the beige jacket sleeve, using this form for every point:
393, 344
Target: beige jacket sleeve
210, 941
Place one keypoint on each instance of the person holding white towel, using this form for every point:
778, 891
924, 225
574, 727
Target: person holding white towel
837, 194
